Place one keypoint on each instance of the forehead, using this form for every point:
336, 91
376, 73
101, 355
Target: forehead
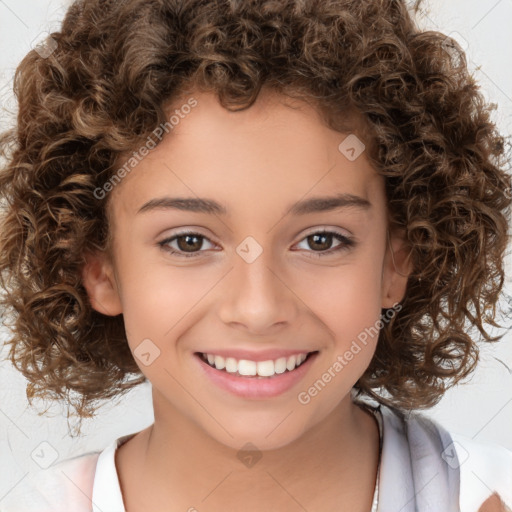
277, 150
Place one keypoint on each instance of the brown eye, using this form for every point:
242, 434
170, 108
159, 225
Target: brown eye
321, 242
188, 244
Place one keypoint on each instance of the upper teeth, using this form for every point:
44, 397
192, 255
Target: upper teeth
261, 368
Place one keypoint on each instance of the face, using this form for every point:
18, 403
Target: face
248, 268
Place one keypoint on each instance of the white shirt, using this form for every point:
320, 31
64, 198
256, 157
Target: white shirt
423, 468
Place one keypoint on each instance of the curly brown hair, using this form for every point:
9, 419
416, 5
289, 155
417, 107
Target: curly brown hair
104, 89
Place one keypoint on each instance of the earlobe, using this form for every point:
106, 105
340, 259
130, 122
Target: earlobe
99, 281
396, 270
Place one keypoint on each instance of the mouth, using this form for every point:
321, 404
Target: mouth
256, 379
255, 369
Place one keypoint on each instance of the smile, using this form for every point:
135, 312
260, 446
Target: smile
255, 380
248, 368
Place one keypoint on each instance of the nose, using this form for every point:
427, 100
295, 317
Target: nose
255, 296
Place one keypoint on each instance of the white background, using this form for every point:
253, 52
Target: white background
481, 408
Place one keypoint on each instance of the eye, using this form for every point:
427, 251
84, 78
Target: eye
322, 239
187, 242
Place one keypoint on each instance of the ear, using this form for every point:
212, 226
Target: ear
396, 269
99, 280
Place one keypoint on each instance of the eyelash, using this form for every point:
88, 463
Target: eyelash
346, 244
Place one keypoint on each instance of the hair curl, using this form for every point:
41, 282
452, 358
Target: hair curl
104, 89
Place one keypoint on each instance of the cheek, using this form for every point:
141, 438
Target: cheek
348, 298
156, 296
155, 302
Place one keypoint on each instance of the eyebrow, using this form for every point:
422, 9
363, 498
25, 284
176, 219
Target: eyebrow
303, 207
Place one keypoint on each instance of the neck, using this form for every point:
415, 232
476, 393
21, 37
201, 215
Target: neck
333, 462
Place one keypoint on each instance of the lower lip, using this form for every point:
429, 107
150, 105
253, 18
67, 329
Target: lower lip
254, 387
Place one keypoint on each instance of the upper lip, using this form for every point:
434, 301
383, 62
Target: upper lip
261, 355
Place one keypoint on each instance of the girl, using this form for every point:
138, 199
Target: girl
282, 215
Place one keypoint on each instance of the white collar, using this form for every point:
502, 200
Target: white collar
106, 493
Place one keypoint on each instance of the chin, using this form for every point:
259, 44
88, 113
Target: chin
263, 434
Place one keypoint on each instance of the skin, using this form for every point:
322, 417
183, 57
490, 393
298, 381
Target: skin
494, 504
256, 163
